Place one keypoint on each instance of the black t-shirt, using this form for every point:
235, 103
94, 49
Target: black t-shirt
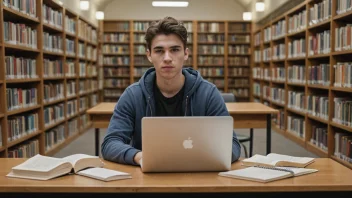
168, 106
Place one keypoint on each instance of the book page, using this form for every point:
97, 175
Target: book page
73, 159
279, 157
40, 163
260, 159
299, 171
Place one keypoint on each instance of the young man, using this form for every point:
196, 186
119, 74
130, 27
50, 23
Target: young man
168, 89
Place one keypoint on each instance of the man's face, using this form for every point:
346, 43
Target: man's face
167, 55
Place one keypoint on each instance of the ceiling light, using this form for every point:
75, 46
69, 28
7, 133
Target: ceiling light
259, 6
99, 15
84, 5
247, 16
170, 3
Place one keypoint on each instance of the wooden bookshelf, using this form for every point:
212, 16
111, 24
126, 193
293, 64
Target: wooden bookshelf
231, 34
307, 29
56, 55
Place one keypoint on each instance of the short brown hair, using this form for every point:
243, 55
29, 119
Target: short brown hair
166, 26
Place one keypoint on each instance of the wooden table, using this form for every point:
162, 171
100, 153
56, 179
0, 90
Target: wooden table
331, 176
245, 114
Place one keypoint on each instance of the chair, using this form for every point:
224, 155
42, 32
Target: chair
230, 97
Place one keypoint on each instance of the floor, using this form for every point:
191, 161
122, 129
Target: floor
279, 144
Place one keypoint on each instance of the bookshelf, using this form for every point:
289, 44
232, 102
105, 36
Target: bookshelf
219, 50
311, 83
41, 70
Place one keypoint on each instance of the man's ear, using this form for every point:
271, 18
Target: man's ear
186, 54
149, 56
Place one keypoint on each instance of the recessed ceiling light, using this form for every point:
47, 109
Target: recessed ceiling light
84, 5
170, 3
99, 15
259, 6
247, 16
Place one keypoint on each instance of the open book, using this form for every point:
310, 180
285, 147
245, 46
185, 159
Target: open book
104, 174
273, 159
44, 168
265, 174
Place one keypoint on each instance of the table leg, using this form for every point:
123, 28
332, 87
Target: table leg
97, 141
250, 142
268, 134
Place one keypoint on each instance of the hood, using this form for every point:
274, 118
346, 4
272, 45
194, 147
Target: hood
192, 81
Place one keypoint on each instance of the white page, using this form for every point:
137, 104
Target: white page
261, 159
279, 157
256, 173
299, 171
103, 173
74, 158
39, 163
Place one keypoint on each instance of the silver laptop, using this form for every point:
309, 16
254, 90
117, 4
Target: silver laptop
186, 144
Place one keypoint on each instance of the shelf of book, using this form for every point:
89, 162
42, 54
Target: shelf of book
322, 24
317, 119
319, 56
316, 150
295, 138
17, 14
24, 138
344, 127
19, 47
343, 89
58, 22
344, 52
22, 110
277, 129
347, 14
61, 145
349, 165
317, 86
50, 126
296, 111
323, 68
29, 80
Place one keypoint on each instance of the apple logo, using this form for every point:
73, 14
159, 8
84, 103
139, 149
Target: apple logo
188, 144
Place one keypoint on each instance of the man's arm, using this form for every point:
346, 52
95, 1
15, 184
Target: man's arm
216, 107
115, 146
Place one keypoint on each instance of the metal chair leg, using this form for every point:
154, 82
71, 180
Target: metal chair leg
245, 150
251, 142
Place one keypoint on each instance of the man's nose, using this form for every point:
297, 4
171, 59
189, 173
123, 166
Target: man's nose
167, 56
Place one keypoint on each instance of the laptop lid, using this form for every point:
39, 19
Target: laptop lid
186, 144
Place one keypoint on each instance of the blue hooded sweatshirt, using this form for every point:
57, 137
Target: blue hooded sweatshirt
123, 137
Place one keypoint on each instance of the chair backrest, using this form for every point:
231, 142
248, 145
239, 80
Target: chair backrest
228, 97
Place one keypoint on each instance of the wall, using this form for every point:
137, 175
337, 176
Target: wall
89, 15
196, 10
270, 6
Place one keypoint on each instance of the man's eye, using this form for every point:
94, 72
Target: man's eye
175, 50
158, 51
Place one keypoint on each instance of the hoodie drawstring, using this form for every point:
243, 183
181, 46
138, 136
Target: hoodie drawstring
150, 107
186, 105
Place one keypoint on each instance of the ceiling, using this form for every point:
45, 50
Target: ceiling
245, 3
101, 4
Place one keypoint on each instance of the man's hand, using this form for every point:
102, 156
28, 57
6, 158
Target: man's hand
137, 158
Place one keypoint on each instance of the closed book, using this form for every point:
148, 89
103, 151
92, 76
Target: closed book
266, 174
104, 174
